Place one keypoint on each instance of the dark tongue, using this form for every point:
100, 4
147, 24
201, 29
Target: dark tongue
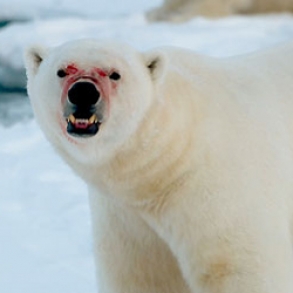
90, 130
81, 124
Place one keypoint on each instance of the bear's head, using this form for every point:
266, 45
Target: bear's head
90, 96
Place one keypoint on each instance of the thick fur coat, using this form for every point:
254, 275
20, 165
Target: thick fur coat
189, 162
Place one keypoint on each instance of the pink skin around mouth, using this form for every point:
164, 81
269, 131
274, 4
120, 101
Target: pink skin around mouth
96, 75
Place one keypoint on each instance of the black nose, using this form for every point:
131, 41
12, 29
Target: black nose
83, 94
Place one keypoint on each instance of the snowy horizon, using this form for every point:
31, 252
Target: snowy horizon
45, 231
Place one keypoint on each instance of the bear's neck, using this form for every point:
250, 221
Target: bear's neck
155, 159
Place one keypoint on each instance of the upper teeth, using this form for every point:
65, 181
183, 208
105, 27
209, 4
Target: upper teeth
91, 120
71, 118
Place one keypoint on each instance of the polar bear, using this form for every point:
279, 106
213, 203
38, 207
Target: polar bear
188, 161
183, 10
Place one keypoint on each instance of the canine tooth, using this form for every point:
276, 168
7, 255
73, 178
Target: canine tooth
71, 118
92, 119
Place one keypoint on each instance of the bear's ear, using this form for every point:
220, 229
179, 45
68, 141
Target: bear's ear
33, 57
156, 62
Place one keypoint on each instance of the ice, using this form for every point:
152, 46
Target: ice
32, 9
45, 236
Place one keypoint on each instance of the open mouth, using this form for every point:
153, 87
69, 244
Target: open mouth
83, 109
81, 126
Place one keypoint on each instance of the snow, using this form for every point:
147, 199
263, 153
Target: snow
44, 219
45, 231
32, 9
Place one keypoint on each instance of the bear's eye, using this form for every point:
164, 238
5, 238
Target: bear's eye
61, 73
115, 76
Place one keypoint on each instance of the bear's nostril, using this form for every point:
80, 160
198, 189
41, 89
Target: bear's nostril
83, 94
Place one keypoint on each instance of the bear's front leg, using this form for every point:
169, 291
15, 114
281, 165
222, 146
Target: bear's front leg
130, 257
226, 247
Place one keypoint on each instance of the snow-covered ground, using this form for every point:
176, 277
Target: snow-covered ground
45, 239
40, 9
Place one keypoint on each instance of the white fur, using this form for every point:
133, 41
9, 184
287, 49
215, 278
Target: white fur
183, 10
190, 177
